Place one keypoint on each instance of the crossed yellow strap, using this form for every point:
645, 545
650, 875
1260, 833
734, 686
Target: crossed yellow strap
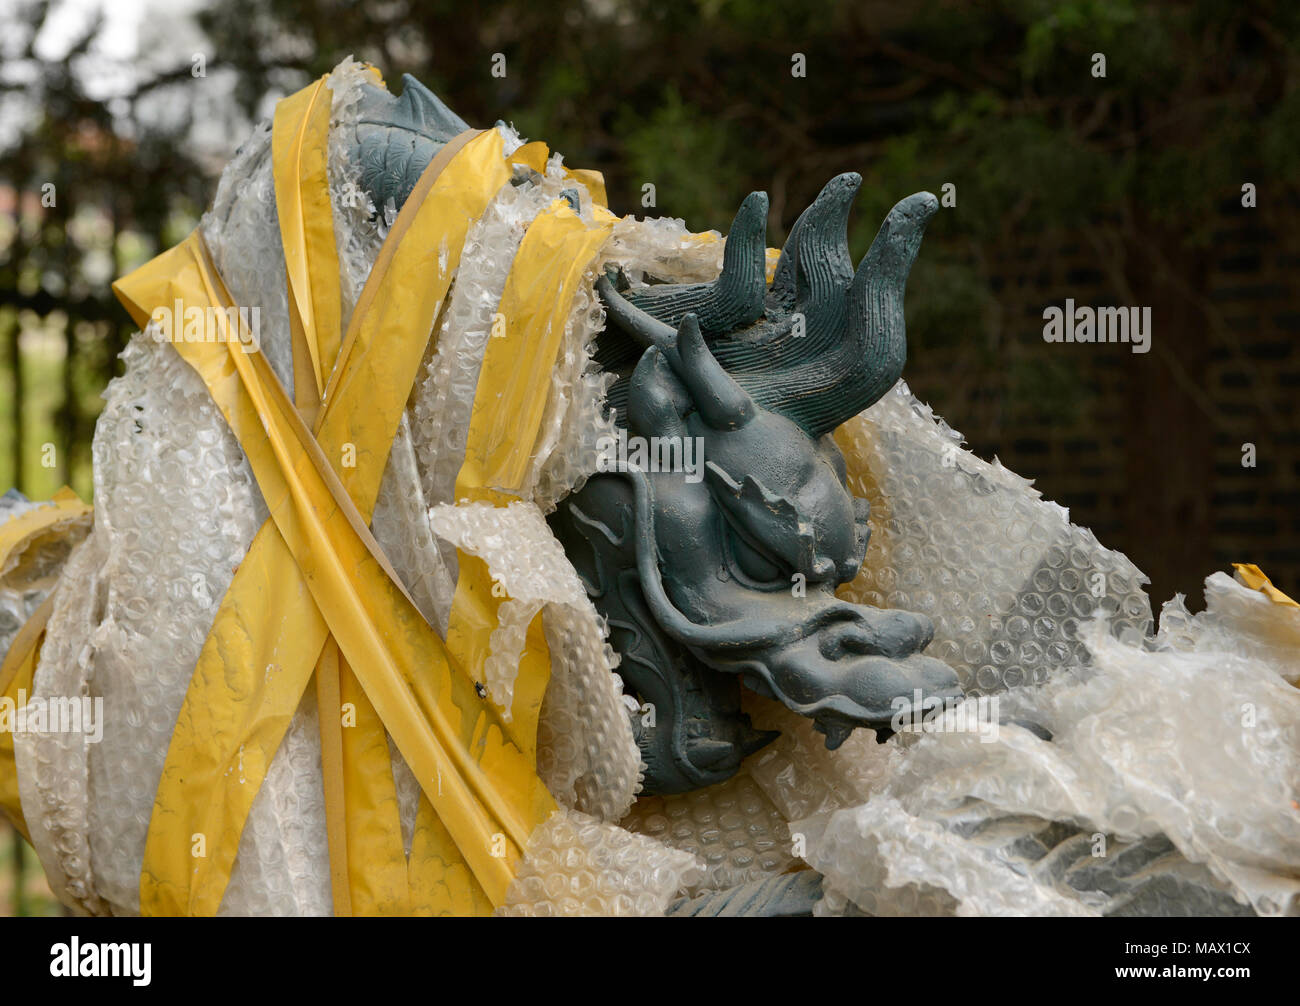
315, 594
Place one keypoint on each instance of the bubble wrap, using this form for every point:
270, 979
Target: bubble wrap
576, 865
176, 507
32, 571
662, 248
401, 524
358, 232
1005, 576
888, 862
801, 777
444, 391
52, 768
1236, 619
1150, 748
1064, 648
586, 751
242, 232
732, 827
1149, 734
576, 418
573, 418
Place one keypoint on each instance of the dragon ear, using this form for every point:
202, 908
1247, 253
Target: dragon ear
656, 400
646, 329
721, 402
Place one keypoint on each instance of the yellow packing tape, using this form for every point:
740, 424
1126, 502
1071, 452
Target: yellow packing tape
16, 676
556, 250
64, 515
484, 790
505, 424
314, 572
1253, 577
486, 795
299, 146
504, 427
300, 160
535, 155
356, 770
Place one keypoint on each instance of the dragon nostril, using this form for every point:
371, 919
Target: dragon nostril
858, 640
841, 640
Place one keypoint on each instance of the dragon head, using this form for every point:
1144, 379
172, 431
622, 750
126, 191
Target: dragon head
711, 581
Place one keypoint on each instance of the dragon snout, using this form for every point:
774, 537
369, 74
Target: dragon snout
855, 671
866, 631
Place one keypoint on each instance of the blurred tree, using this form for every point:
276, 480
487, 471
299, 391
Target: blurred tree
91, 186
1000, 98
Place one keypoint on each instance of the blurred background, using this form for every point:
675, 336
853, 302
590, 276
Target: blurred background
116, 117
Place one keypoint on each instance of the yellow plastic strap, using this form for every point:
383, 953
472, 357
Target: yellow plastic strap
16, 675
505, 422
18, 534
509, 402
377, 860
259, 580
248, 632
594, 181
510, 398
490, 797
436, 720
535, 155
299, 144
19, 665
1253, 577
329, 703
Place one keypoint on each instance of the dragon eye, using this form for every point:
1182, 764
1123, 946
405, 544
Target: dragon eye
750, 564
753, 562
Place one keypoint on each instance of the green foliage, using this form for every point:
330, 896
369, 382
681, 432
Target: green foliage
686, 156
23, 868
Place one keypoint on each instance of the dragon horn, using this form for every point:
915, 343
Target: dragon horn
866, 358
735, 298
815, 267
